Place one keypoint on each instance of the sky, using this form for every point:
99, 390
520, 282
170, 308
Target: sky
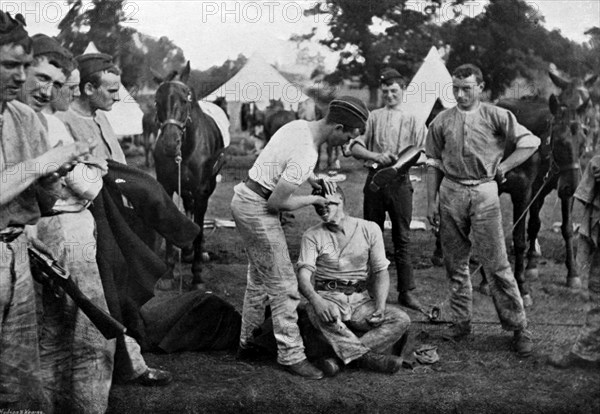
211, 31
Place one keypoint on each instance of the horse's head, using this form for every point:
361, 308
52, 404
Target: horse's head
174, 103
567, 131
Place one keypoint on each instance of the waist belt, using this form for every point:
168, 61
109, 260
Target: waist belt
397, 177
470, 183
258, 189
347, 288
9, 234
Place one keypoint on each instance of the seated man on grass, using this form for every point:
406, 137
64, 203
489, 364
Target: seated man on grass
346, 255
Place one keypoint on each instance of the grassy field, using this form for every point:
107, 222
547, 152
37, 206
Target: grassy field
480, 375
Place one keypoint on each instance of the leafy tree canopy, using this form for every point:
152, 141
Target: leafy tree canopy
135, 53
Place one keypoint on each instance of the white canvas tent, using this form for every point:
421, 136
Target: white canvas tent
257, 82
431, 82
126, 115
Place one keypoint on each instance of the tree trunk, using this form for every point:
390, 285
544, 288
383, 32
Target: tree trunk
373, 96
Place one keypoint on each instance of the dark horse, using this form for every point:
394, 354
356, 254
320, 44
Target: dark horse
251, 117
188, 136
150, 131
275, 117
554, 166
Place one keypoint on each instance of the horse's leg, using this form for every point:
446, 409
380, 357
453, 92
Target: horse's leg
573, 279
330, 156
145, 143
336, 157
484, 286
438, 257
167, 281
520, 201
318, 157
200, 206
148, 140
533, 228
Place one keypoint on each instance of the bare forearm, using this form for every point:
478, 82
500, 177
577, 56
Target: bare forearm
293, 202
380, 288
360, 152
305, 285
15, 180
434, 179
518, 157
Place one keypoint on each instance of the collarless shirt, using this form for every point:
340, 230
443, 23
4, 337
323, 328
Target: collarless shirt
22, 138
348, 256
290, 155
95, 130
468, 146
391, 130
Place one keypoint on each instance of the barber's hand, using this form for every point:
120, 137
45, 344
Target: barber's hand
376, 319
327, 185
320, 201
326, 311
433, 214
386, 158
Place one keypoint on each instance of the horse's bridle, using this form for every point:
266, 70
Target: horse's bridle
182, 125
554, 167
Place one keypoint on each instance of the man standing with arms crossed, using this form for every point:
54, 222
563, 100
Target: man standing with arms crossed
390, 130
24, 158
465, 145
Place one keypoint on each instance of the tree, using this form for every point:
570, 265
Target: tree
204, 82
102, 24
364, 52
134, 52
592, 60
507, 41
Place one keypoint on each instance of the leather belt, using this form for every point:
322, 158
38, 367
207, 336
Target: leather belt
257, 188
9, 234
347, 288
372, 171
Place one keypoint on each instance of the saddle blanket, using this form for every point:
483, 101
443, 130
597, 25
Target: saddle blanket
220, 117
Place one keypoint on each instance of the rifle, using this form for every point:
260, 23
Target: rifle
45, 269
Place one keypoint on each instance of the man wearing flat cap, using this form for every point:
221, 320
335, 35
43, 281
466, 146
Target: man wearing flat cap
286, 162
76, 367
99, 84
390, 130
99, 89
24, 159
